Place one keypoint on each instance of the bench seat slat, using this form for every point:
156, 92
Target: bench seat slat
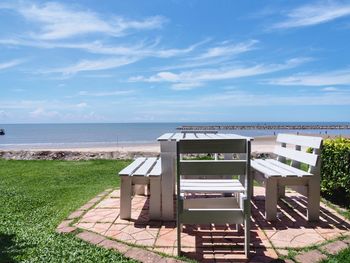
144, 169
263, 169
294, 170
157, 169
280, 170
127, 171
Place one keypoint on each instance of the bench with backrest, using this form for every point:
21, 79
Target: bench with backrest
289, 170
146, 172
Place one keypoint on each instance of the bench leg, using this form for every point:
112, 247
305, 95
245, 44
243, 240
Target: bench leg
313, 202
154, 206
281, 191
125, 197
271, 199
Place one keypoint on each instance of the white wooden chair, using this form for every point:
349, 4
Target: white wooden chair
145, 172
196, 199
277, 174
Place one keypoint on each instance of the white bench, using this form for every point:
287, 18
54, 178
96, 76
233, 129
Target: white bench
142, 171
276, 174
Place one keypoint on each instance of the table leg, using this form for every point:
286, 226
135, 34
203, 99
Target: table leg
168, 156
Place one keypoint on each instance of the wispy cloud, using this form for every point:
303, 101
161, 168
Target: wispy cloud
314, 14
338, 77
105, 93
227, 48
58, 21
196, 78
92, 65
11, 63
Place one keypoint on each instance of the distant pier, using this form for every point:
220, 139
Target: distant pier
263, 127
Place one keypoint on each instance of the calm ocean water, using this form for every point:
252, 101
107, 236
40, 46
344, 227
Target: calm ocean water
25, 136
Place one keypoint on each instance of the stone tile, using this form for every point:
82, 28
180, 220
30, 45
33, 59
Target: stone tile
87, 206
347, 240
110, 244
282, 252
86, 226
100, 228
90, 237
166, 250
76, 214
166, 237
100, 215
114, 194
65, 223
334, 247
142, 255
66, 229
109, 203
312, 256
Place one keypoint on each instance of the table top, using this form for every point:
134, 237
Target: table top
176, 136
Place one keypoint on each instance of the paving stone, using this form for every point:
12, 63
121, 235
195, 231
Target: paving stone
76, 214
65, 223
87, 206
312, 256
111, 244
334, 247
90, 237
288, 261
66, 229
142, 255
282, 252
347, 240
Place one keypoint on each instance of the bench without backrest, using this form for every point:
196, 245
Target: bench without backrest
278, 173
142, 171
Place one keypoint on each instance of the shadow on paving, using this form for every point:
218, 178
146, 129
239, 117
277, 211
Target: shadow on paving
292, 214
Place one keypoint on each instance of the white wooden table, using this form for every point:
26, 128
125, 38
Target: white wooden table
168, 157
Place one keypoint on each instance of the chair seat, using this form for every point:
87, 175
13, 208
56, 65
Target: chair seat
211, 186
274, 168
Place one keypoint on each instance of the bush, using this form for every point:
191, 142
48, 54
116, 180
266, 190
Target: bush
335, 174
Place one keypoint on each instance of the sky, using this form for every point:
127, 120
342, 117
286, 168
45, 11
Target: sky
174, 61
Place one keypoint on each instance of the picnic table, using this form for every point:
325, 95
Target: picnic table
168, 156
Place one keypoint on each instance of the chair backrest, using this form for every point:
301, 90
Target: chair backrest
299, 152
192, 168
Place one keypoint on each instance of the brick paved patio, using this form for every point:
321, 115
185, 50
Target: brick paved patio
211, 243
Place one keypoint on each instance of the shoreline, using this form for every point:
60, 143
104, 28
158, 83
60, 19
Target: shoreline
261, 145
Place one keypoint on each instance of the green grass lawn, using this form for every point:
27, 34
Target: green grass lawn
35, 196
342, 257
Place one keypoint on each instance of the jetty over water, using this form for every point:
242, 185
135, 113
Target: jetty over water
264, 127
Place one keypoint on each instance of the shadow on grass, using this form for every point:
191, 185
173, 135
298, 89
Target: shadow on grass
8, 248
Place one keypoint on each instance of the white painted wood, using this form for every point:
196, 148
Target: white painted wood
168, 157
213, 146
217, 216
145, 168
190, 136
268, 172
292, 169
212, 167
165, 137
210, 203
157, 169
306, 141
178, 136
125, 197
155, 199
132, 167
299, 156
271, 199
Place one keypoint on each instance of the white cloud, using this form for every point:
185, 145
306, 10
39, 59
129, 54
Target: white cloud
331, 89
42, 112
227, 49
92, 65
337, 77
81, 105
105, 93
314, 14
10, 64
58, 21
188, 78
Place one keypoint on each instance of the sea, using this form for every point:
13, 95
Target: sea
31, 136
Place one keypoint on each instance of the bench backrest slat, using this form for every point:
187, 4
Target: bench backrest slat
303, 157
213, 146
306, 141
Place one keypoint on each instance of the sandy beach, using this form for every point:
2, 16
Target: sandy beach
260, 145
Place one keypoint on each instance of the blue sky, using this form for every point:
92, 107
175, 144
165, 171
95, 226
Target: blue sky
169, 61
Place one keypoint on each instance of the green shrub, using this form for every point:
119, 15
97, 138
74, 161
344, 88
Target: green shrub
335, 174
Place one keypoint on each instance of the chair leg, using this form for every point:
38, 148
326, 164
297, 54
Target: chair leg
313, 203
154, 207
125, 197
246, 236
271, 199
179, 230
